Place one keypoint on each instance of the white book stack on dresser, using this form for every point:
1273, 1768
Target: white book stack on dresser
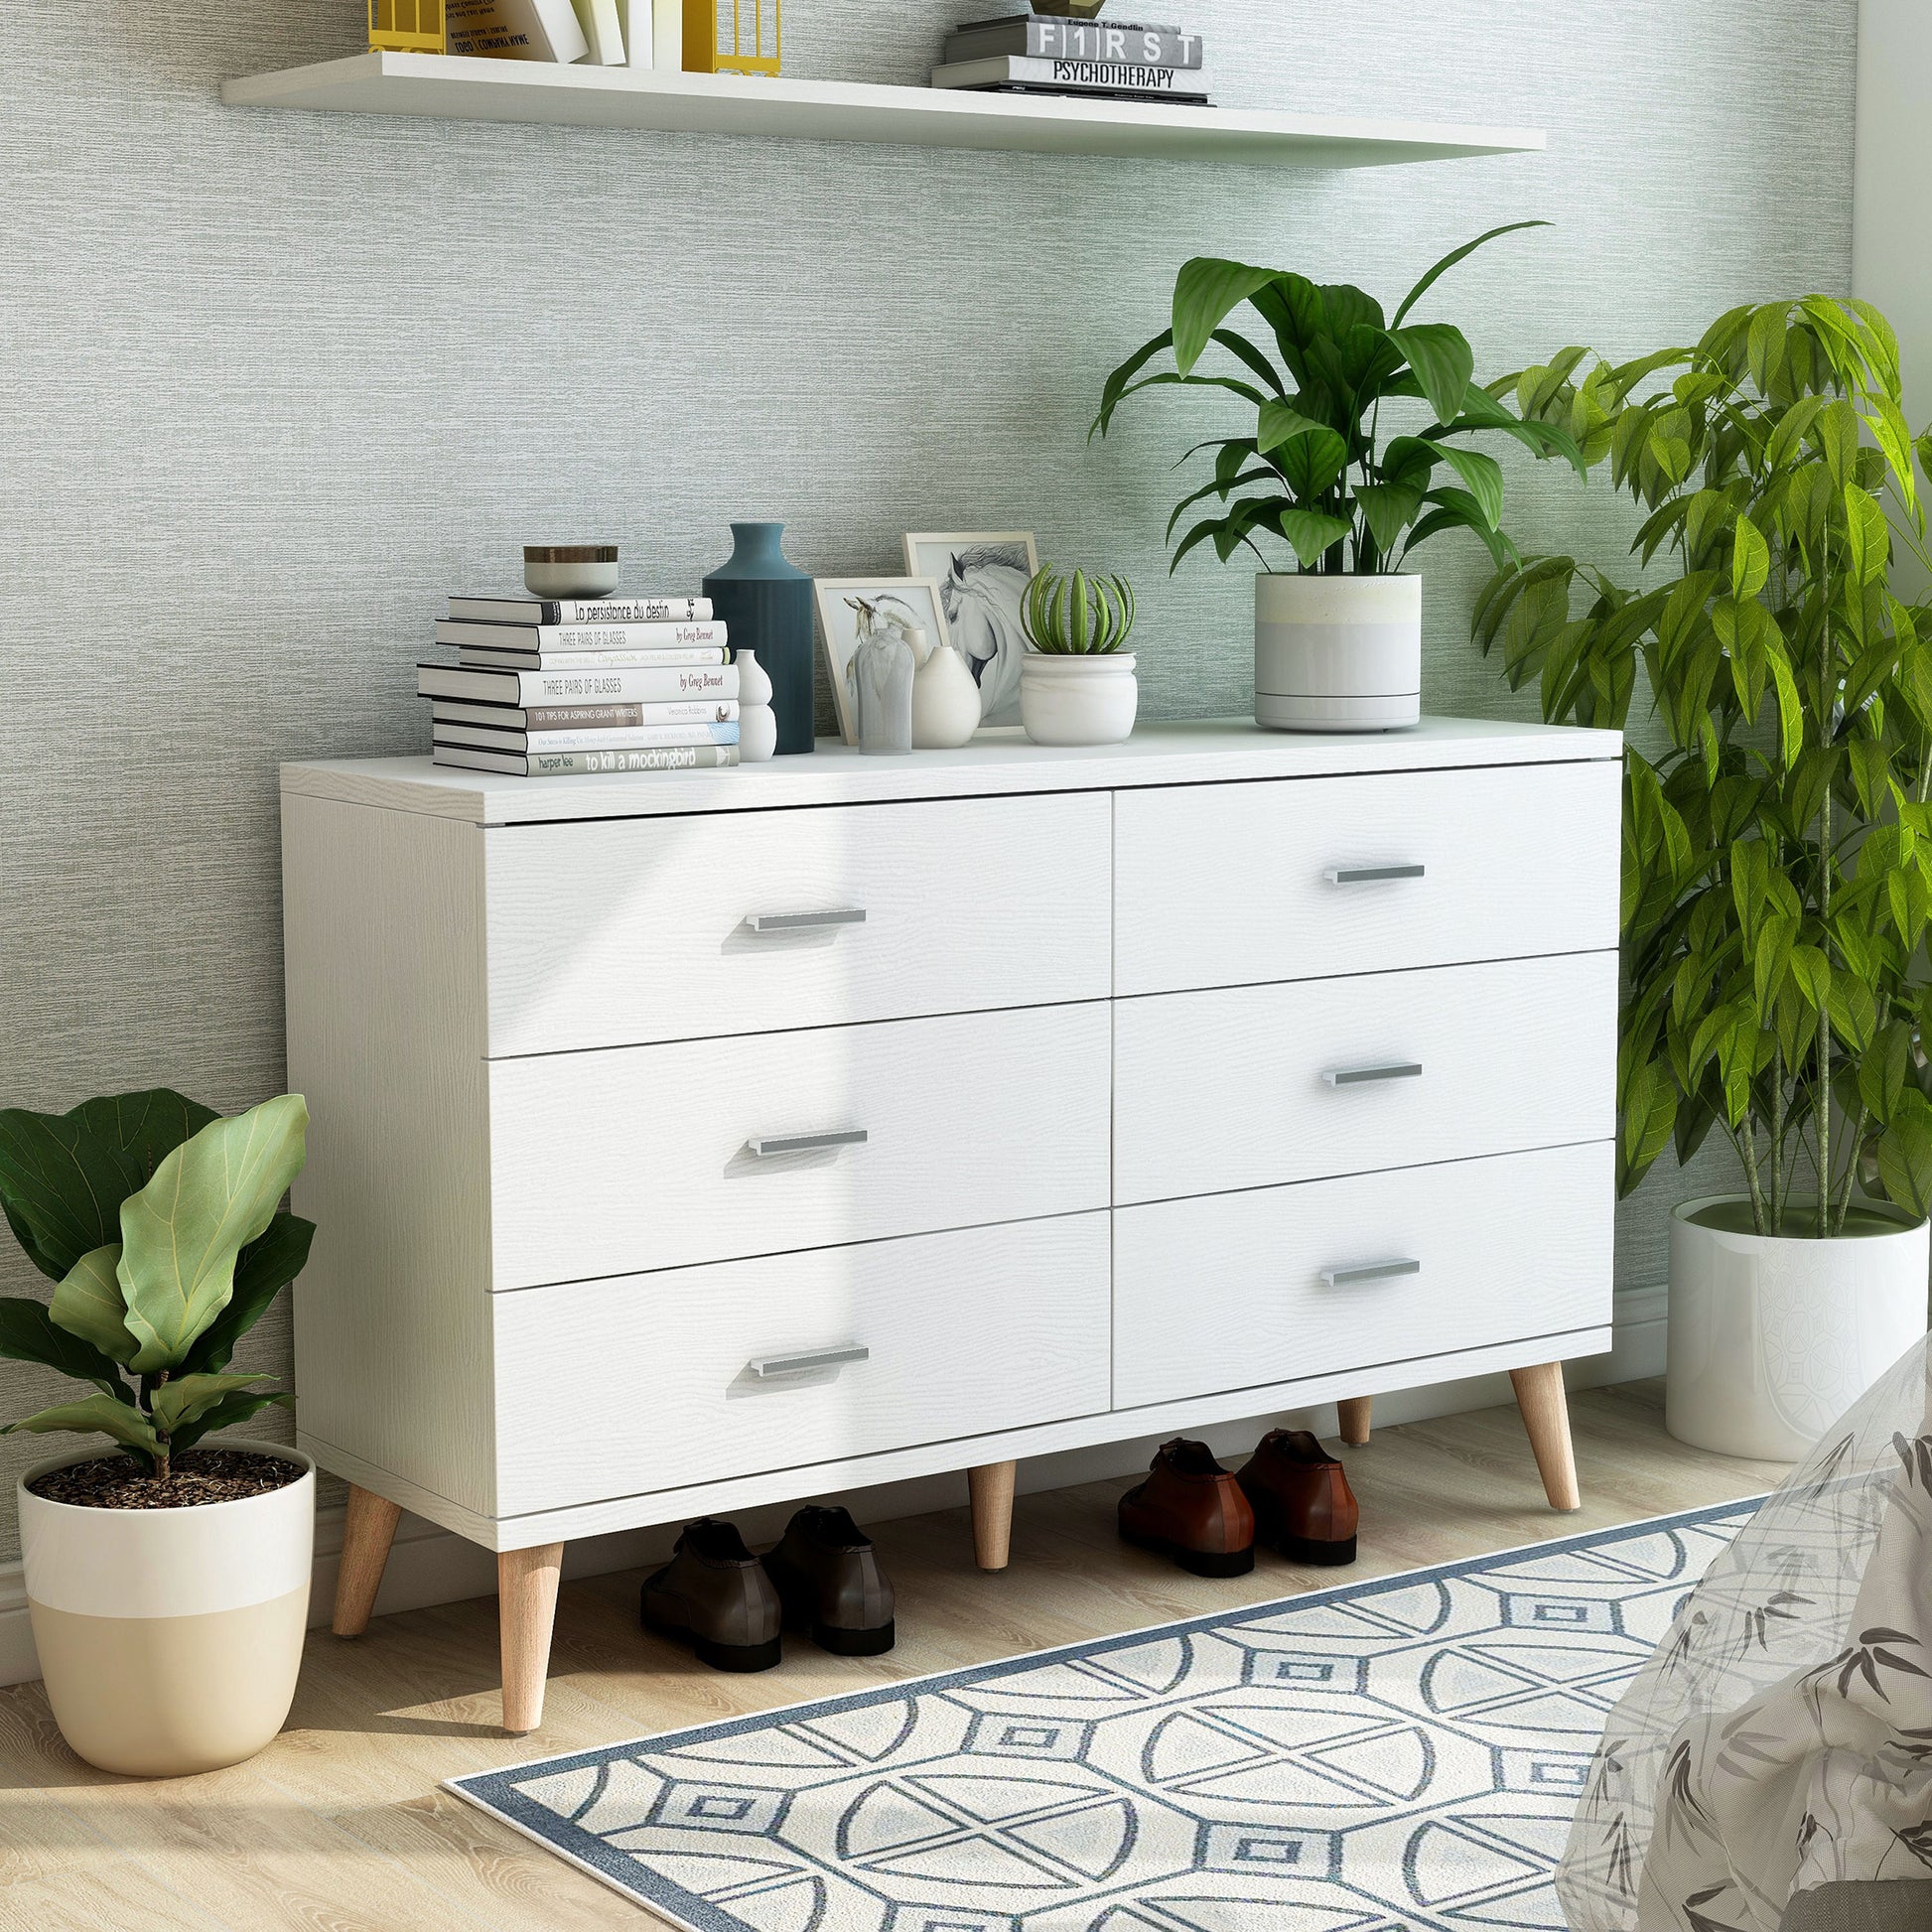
704, 1140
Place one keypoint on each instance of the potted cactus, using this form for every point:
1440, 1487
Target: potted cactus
166, 1582
1077, 683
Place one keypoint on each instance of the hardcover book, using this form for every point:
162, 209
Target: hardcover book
633, 685
1046, 37
1075, 78
603, 29
515, 29
573, 764
548, 637
581, 609
548, 660
583, 717
483, 739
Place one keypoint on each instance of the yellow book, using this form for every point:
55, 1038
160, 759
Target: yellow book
731, 35
407, 27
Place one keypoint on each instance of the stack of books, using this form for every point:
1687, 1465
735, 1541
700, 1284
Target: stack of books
1045, 54
543, 688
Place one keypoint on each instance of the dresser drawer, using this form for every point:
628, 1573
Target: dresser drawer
1232, 884
660, 1157
1231, 1293
611, 1388
631, 931
1251, 1085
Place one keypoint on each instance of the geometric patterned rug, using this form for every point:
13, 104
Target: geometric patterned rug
1397, 1755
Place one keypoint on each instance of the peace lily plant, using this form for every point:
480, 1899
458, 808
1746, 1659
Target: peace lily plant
1361, 449
168, 1600
1778, 854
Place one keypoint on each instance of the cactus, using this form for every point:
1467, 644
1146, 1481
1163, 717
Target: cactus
1077, 616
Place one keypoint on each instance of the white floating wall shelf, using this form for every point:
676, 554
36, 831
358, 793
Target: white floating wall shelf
454, 87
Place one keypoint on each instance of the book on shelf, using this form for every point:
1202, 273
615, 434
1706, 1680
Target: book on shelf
486, 737
603, 29
635, 684
654, 32
586, 660
515, 29
583, 717
549, 637
581, 609
575, 765
1111, 79
1042, 37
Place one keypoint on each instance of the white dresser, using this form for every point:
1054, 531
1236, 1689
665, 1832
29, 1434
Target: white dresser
683, 1141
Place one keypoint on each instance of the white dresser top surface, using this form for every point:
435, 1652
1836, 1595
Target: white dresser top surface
1202, 752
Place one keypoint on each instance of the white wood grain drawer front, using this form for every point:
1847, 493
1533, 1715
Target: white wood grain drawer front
1296, 878
661, 1157
1251, 1085
1248, 1290
673, 929
706, 1373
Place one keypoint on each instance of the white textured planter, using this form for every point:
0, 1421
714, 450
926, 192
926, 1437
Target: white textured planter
1078, 700
1773, 1337
169, 1640
1338, 653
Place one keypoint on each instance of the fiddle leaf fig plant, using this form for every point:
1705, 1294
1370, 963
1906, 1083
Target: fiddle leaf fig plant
1321, 471
1777, 855
158, 1221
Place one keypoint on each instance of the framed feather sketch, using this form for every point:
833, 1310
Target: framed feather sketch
982, 577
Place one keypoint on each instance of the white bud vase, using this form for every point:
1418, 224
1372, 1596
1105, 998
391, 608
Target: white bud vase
757, 723
945, 700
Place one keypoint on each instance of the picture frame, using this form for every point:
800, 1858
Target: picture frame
913, 602
982, 577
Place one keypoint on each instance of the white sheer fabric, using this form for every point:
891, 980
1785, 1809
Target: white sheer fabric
1780, 1741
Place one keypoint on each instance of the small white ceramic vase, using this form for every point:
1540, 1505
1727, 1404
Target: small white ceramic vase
1338, 653
757, 723
1078, 700
945, 700
169, 1640
1772, 1337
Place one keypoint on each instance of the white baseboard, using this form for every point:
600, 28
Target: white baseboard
429, 1566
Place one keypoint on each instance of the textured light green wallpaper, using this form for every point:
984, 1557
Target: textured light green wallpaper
270, 384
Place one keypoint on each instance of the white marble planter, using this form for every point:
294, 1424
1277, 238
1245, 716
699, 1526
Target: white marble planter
169, 1640
1338, 653
1773, 1337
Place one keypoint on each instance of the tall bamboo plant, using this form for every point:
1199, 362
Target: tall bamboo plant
1778, 857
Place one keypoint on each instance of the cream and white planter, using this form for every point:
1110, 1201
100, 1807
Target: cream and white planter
1078, 700
169, 1640
1773, 1337
1338, 653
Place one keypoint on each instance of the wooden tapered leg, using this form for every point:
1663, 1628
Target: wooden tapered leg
1546, 1415
991, 1486
1353, 1417
368, 1532
527, 1607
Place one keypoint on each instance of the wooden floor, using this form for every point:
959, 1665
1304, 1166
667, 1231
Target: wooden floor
340, 1824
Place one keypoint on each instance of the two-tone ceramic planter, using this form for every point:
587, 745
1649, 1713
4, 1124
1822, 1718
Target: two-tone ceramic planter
1338, 653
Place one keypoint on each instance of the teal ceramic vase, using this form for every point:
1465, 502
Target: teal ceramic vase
765, 606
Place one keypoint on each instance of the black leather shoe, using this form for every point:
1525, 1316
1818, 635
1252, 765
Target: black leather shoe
714, 1594
828, 1578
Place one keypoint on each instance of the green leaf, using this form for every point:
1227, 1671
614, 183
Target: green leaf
63, 1176
1484, 477
182, 1233
1649, 1118
1205, 292
1442, 362
1119, 382
1882, 1072
228, 1412
1868, 540
88, 1304
184, 1398
267, 1266
1750, 560
1791, 713
1310, 532
93, 1415
1388, 509
1455, 255
1906, 1156
28, 1334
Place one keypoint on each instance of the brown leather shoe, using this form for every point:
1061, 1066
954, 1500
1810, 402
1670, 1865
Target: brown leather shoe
1302, 1505
828, 1578
715, 1594
1190, 1509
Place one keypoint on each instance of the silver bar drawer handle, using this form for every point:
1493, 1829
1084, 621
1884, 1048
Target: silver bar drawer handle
769, 1145
1359, 1076
1370, 1271
805, 922
775, 1365
1369, 875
